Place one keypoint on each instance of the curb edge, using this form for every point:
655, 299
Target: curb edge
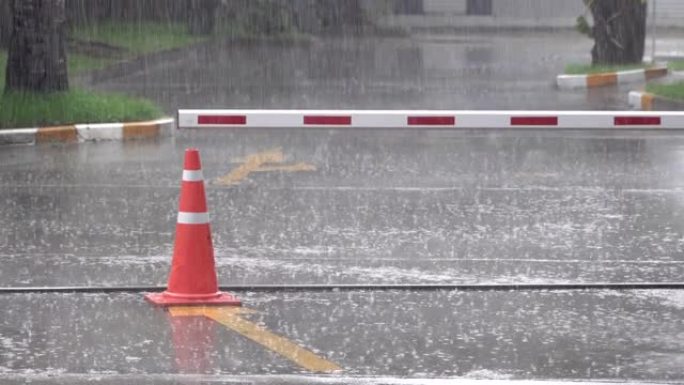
570, 82
88, 132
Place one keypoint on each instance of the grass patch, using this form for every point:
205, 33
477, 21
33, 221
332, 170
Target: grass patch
677, 65
82, 63
137, 38
104, 44
33, 110
132, 39
583, 69
671, 91
77, 63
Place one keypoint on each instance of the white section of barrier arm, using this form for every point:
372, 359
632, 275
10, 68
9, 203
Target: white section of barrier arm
422, 118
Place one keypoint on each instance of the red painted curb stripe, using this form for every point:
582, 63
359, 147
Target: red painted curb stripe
221, 119
327, 120
637, 121
534, 121
431, 120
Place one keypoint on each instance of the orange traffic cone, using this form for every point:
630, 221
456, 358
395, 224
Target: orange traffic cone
192, 280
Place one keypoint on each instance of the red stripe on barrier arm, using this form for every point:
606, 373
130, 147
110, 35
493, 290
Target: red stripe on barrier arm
637, 121
222, 119
534, 121
327, 120
431, 120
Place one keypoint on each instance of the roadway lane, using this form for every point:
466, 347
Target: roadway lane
353, 206
380, 207
585, 335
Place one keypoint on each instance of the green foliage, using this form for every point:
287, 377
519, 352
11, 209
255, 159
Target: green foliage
77, 63
267, 18
256, 18
136, 38
677, 65
81, 63
671, 91
32, 110
582, 26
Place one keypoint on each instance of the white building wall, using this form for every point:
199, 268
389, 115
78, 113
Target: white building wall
445, 6
669, 13
535, 9
562, 13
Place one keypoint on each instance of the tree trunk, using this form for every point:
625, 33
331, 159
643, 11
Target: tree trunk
619, 31
37, 53
5, 23
202, 16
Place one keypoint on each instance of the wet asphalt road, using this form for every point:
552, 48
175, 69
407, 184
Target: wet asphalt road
381, 206
560, 335
515, 70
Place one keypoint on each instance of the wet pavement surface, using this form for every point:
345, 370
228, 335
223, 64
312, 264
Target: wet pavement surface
380, 207
516, 70
374, 206
560, 335
354, 206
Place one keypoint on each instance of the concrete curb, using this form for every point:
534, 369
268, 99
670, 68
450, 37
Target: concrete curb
407, 119
645, 101
570, 82
78, 133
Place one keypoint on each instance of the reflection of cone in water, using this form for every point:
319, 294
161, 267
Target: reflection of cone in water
192, 280
193, 343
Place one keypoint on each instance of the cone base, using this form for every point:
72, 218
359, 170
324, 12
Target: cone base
223, 299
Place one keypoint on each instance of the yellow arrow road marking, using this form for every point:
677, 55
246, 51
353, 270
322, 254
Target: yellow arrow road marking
260, 162
230, 317
287, 167
252, 163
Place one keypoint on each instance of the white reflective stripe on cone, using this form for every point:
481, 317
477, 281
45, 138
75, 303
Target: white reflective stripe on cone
193, 218
192, 176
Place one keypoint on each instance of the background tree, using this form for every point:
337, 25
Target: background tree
37, 59
202, 16
5, 23
619, 30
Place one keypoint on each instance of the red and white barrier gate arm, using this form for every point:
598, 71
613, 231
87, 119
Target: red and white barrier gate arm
430, 119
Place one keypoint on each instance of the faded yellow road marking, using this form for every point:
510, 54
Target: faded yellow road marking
261, 162
288, 167
251, 163
230, 317
185, 311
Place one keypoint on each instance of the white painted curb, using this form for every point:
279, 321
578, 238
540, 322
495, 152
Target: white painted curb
635, 99
569, 82
88, 132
